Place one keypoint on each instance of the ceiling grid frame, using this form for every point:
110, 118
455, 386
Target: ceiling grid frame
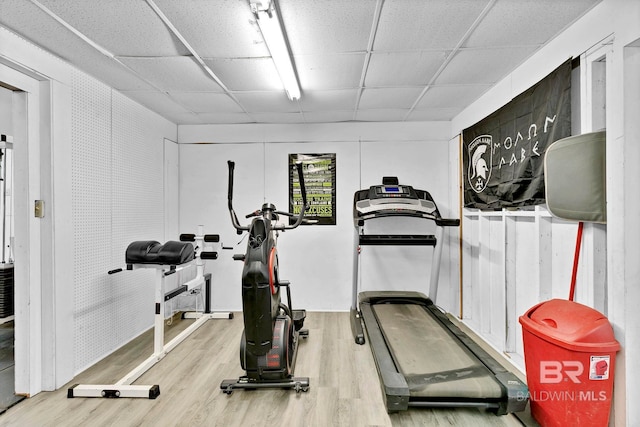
205, 62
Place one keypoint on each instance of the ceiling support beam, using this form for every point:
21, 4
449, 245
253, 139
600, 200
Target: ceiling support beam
367, 58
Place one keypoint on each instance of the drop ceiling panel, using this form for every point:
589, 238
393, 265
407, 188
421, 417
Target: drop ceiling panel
402, 68
158, 102
329, 100
399, 97
526, 22
325, 72
246, 74
382, 115
23, 17
267, 102
204, 102
328, 116
123, 27
483, 66
327, 26
216, 29
419, 24
451, 96
218, 118
277, 117
433, 114
330, 43
177, 73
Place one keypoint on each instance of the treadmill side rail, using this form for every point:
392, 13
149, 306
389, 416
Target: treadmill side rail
356, 326
397, 395
517, 393
394, 385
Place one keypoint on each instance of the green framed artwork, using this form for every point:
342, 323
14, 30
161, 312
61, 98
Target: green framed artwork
319, 172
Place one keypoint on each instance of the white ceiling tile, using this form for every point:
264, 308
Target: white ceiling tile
267, 102
25, 18
327, 26
510, 23
123, 27
332, 116
402, 68
328, 38
419, 24
178, 73
109, 71
186, 119
222, 118
451, 96
400, 97
206, 102
483, 66
323, 72
277, 117
216, 29
433, 114
381, 115
157, 101
246, 74
329, 100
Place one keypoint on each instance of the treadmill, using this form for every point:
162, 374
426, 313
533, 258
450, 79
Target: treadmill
423, 359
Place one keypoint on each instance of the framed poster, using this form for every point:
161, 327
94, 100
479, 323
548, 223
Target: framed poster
319, 172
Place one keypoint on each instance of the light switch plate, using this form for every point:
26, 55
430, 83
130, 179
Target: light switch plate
39, 209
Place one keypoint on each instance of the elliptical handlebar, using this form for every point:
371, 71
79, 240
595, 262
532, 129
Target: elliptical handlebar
305, 206
234, 217
299, 218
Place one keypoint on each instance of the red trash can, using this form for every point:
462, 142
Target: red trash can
570, 353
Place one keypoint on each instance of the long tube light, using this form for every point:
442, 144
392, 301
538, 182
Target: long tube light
272, 31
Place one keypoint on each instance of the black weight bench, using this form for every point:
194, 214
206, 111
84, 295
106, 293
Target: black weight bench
152, 252
166, 259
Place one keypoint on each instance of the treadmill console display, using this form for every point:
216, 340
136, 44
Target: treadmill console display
391, 191
393, 200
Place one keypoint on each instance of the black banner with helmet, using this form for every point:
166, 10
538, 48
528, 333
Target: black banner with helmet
503, 154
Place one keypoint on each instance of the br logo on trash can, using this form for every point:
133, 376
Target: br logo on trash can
553, 371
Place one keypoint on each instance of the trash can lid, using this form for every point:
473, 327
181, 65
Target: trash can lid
570, 325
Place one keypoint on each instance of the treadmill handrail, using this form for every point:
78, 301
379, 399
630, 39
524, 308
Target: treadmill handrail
397, 240
448, 222
407, 213
415, 204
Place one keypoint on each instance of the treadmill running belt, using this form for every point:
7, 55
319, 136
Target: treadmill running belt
434, 363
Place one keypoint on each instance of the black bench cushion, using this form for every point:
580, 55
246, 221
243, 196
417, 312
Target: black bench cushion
152, 252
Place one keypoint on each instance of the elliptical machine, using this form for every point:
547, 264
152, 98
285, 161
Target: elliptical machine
272, 329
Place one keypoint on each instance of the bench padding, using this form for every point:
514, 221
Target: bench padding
152, 252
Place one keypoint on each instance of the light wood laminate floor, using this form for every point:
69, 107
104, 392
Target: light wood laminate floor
344, 387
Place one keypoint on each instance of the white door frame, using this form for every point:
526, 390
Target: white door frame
37, 363
28, 320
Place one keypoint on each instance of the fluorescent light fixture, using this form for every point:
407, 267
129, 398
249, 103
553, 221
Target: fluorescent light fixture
272, 30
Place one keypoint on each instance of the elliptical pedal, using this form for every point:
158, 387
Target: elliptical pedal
298, 317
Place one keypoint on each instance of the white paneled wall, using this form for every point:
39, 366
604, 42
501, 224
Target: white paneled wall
137, 210
318, 260
118, 197
514, 259
91, 199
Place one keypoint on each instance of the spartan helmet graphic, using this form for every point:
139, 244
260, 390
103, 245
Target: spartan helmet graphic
479, 162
